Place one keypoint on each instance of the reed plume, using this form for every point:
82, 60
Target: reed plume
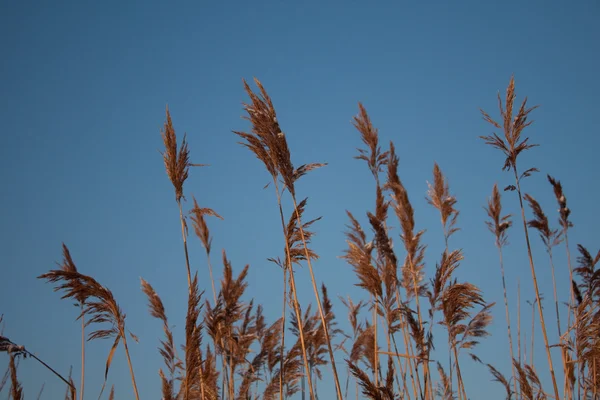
203, 233
385, 260
100, 307
267, 141
457, 299
499, 225
167, 351
444, 388
69, 265
587, 322
438, 195
512, 145
177, 164
550, 238
565, 224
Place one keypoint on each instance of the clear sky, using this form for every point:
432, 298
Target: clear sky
83, 89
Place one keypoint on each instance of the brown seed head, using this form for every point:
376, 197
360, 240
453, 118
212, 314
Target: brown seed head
511, 145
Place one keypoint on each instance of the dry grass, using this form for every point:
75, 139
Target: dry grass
389, 350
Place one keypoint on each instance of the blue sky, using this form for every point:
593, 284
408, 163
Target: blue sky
84, 87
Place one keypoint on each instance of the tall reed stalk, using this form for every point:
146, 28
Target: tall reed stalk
512, 146
268, 143
101, 306
499, 225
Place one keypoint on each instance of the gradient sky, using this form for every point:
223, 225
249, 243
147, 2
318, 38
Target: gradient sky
84, 87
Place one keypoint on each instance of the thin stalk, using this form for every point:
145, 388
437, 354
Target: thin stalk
295, 294
404, 328
189, 279
519, 318
532, 329
185, 248
232, 380
82, 352
535, 285
518, 327
301, 331
428, 382
201, 378
555, 293
450, 368
571, 299
594, 380
212, 281
425, 365
562, 354
406, 393
376, 357
461, 385
283, 333
572, 295
390, 354
318, 298
407, 345
135, 390
510, 341
54, 372
39, 396
347, 382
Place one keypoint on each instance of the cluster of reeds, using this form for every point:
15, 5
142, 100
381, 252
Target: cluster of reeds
231, 352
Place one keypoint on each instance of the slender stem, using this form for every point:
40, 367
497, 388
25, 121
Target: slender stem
225, 373
461, 384
231, 371
283, 333
318, 298
301, 331
212, 279
407, 344
416, 293
295, 294
189, 274
519, 319
39, 396
532, 329
510, 341
347, 382
135, 390
185, 249
518, 394
201, 374
82, 352
594, 380
376, 355
562, 349
450, 368
572, 295
406, 393
409, 349
555, 293
571, 301
389, 349
535, 285
53, 371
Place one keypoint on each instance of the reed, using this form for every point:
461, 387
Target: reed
390, 349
